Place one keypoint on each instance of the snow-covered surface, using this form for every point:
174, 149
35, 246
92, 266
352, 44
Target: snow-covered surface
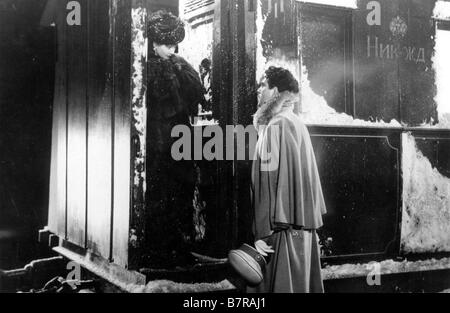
443, 124
139, 49
260, 59
316, 111
426, 203
444, 121
109, 274
139, 58
352, 4
206, 122
328, 273
198, 44
385, 268
165, 286
442, 10
441, 64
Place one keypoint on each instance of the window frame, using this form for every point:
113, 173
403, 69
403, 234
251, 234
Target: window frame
347, 14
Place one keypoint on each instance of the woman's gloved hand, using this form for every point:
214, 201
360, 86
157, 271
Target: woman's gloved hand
263, 248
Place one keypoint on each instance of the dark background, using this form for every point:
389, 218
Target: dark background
27, 58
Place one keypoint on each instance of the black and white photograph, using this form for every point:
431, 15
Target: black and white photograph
223, 151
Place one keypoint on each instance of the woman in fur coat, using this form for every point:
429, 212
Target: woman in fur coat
174, 92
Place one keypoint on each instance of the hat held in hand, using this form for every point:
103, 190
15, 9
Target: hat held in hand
165, 28
249, 263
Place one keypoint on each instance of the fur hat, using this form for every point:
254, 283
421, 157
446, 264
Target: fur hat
165, 28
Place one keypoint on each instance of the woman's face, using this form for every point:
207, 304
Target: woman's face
163, 51
264, 92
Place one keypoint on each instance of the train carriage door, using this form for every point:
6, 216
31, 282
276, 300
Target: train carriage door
90, 164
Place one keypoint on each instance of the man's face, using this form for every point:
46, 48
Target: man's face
264, 92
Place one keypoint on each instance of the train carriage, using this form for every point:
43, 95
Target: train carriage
368, 94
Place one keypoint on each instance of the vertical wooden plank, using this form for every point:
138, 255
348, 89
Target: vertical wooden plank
122, 133
76, 145
238, 35
99, 176
250, 61
247, 107
55, 13
222, 97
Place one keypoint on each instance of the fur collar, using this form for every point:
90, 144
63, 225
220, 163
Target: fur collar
270, 109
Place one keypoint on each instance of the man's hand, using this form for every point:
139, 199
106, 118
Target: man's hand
263, 248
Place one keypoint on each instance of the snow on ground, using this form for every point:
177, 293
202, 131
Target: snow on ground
385, 267
109, 274
165, 286
328, 273
426, 203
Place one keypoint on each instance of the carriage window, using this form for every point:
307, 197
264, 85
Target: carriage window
442, 66
197, 49
326, 47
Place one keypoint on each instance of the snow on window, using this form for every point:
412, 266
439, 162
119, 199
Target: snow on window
441, 63
338, 3
197, 47
198, 44
315, 109
442, 10
426, 203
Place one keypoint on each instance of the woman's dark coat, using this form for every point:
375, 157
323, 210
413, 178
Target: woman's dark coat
173, 95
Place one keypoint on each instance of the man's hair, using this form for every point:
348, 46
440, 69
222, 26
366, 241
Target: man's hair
282, 79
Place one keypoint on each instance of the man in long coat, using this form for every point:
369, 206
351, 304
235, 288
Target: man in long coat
287, 193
